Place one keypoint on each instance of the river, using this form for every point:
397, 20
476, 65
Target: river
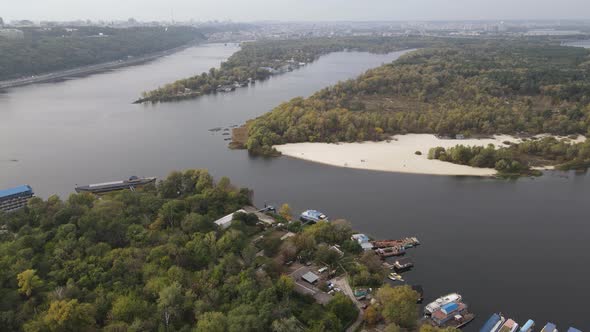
519, 247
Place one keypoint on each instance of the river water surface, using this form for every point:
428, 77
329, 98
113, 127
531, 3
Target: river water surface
519, 247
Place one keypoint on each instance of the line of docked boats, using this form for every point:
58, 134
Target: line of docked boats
498, 323
448, 311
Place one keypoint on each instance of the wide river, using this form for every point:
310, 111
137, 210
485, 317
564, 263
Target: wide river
517, 247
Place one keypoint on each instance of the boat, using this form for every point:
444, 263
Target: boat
408, 242
403, 264
13, 199
528, 326
313, 216
395, 277
391, 251
132, 183
509, 326
441, 301
549, 327
493, 323
454, 314
573, 329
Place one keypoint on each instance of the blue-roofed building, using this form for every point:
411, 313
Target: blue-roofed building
15, 198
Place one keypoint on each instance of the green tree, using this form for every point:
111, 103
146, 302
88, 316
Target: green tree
28, 281
399, 305
211, 322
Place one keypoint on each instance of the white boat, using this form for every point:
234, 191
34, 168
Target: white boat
395, 277
441, 301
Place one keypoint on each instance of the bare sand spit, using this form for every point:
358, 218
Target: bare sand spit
396, 155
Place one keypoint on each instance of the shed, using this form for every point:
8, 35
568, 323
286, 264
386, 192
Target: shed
225, 222
310, 277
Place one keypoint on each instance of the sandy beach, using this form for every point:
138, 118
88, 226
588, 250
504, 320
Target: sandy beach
396, 155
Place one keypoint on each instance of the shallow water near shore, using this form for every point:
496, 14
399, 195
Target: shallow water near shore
519, 247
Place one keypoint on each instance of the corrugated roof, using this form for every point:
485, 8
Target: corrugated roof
310, 277
16, 190
448, 308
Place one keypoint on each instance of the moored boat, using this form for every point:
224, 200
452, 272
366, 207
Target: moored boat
509, 326
132, 183
528, 326
441, 301
395, 277
493, 323
403, 264
391, 251
313, 216
549, 327
454, 314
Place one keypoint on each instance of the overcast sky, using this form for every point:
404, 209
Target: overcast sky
294, 10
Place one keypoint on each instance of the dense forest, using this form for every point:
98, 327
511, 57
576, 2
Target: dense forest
154, 260
469, 87
48, 50
260, 59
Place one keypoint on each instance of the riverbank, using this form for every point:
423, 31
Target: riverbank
92, 69
396, 155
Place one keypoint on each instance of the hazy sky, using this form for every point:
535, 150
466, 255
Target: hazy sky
294, 10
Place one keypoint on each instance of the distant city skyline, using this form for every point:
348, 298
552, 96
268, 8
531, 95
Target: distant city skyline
295, 10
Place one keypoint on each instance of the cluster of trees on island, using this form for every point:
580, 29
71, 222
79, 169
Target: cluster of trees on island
462, 86
260, 59
154, 260
47, 50
519, 159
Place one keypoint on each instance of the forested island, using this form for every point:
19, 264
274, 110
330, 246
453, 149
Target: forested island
154, 260
259, 60
42, 51
465, 87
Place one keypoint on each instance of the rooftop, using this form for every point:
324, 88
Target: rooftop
15, 191
310, 277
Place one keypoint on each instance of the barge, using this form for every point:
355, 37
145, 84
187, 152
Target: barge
389, 252
528, 326
440, 302
509, 326
549, 327
454, 315
100, 188
405, 243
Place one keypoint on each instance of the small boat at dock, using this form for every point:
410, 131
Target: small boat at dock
100, 188
395, 277
403, 264
313, 216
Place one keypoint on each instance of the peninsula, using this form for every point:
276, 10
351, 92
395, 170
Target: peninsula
461, 89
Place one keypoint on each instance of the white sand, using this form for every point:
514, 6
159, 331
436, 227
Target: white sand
397, 155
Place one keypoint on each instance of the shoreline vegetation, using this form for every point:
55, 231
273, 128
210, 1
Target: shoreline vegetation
259, 60
457, 88
155, 259
44, 55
